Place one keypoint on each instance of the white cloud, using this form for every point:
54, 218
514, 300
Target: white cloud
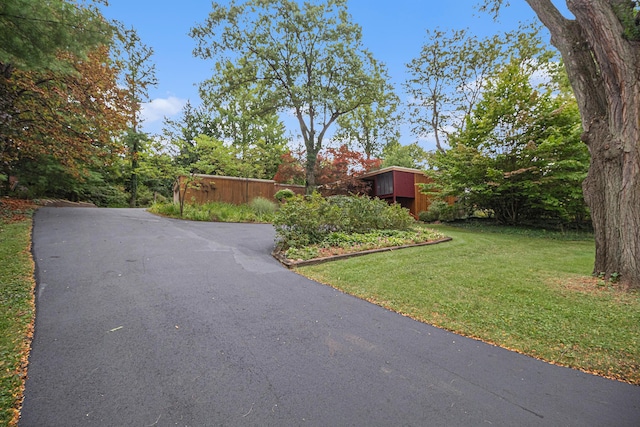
159, 108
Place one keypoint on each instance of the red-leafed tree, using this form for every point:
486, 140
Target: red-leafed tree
290, 170
337, 170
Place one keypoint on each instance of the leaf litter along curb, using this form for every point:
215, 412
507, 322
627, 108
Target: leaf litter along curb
15, 210
17, 309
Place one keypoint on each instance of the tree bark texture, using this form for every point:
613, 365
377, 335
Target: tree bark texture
604, 69
310, 171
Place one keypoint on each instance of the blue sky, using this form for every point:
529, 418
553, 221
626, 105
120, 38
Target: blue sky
393, 30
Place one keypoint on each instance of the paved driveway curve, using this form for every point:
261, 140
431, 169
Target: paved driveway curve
147, 321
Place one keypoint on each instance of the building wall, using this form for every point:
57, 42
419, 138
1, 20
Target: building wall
421, 201
405, 189
404, 184
209, 188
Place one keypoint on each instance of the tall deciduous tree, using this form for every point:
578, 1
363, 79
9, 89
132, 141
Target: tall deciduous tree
520, 157
600, 46
71, 117
309, 58
254, 129
138, 74
182, 133
448, 77
43, 43
406, 156
371, 127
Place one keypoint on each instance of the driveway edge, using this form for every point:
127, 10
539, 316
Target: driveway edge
279, 255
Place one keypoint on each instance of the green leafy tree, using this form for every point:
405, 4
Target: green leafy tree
57, 91
182, 133
520, 156
406, 156
601, 53
372, 126
447, 79
157, 170
240, 119
309, 58
33, 34
74, 118
138, 75
215, 157
251, 144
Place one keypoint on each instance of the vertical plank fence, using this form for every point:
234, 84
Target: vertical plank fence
211, 188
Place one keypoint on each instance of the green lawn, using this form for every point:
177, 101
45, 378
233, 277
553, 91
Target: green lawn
16, 313
531, 294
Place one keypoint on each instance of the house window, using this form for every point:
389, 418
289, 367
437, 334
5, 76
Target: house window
384, 184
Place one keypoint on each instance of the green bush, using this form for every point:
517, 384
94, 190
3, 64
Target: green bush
353, 242
361, 214
215, 211
300, 221
439, 210
145, 197
263, 207
284, 195
310, 220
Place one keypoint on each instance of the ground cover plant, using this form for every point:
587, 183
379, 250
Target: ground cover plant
16, 304
340, 243
529, 293
258, 210
314, 226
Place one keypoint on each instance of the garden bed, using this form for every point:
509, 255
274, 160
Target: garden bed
342, 245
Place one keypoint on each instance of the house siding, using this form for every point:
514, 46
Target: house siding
406, 189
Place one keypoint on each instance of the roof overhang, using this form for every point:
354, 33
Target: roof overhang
370, 175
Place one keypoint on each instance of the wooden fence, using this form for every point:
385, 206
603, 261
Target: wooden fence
201, 189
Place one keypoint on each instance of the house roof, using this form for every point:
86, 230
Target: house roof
389, 169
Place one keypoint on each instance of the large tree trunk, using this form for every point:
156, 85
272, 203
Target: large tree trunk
310, 171
604, 69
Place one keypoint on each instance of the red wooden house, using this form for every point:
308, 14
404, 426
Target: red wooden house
400, 185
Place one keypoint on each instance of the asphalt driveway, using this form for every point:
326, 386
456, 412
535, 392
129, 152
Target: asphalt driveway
147, 321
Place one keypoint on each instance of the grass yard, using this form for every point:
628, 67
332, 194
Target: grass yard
16, 308
532, 294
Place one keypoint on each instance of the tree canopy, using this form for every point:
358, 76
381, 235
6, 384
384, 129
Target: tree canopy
60, 104
447, 79
520, 157
308, 58
33, 34
371, 127
73, 118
